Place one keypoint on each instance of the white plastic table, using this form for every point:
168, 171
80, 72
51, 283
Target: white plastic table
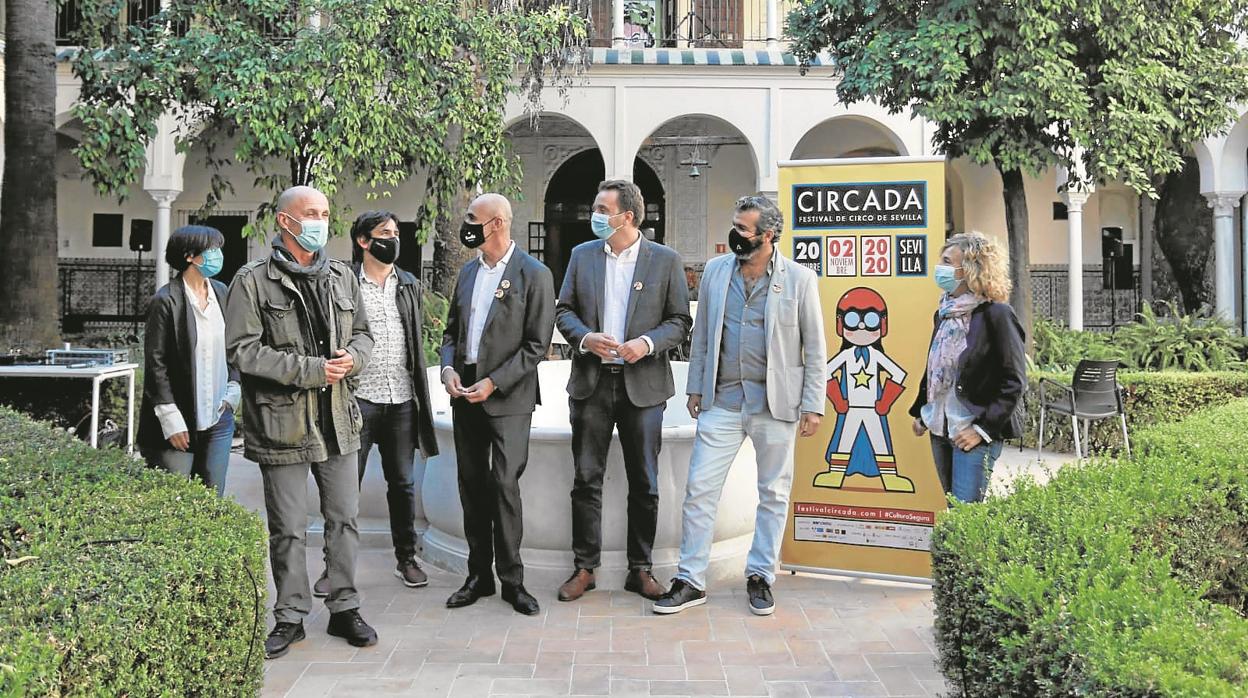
97, 375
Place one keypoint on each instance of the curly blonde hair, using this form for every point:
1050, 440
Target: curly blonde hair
986, 265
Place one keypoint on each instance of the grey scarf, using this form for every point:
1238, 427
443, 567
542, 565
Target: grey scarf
286, 261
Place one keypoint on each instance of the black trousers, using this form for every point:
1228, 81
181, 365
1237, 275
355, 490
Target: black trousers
390, 428
641, 438
492, 453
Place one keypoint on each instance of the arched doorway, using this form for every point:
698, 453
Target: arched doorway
569, 204
847, 137
705, 164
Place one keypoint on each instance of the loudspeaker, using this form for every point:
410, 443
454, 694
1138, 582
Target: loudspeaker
1111, 242
140, 235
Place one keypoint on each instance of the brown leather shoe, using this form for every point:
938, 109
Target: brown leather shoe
580, 582
644, 583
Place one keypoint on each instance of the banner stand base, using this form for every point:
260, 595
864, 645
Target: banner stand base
858, 574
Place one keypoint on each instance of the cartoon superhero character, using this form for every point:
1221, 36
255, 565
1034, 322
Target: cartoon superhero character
862, 396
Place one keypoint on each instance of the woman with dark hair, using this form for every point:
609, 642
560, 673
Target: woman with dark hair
186, 423
976, 367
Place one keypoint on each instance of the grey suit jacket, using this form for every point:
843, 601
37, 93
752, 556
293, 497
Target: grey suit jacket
658, 307
796, 349
516, 337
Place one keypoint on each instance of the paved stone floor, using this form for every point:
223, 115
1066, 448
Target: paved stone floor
830, 636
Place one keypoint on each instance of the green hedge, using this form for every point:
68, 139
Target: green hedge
1118, 578
121, 580
1151, 398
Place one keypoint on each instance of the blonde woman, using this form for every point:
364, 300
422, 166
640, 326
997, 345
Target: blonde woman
976, 368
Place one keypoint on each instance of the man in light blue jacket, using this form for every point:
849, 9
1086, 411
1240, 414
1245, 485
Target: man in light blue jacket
757, 370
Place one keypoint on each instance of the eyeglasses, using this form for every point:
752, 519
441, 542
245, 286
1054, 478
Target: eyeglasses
859, 321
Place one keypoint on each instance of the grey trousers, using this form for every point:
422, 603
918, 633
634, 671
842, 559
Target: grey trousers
285, 498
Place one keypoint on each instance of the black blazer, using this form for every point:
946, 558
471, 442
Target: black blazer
992, 372
658, 307
517, 334
411, 314
168, 360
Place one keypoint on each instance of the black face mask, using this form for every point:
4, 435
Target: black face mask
384, 250
742, 246
472, 234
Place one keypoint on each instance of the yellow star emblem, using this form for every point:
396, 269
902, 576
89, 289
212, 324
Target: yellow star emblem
862, 379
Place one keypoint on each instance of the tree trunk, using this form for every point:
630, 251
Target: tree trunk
1017, 228
449, 254
28, 251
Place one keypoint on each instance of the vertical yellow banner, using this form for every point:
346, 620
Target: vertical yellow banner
865, 488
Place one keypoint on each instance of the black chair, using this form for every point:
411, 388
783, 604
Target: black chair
1094, 394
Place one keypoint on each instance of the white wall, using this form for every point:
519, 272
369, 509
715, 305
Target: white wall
984, 211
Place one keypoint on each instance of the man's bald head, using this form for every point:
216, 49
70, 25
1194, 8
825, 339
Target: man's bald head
490, 205
296, 201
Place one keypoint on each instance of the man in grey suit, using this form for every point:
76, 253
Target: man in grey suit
623, 305
756, 370
498, 328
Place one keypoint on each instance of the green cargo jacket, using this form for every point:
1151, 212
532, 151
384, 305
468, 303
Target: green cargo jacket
264, 318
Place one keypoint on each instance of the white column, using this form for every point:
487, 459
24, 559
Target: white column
773, 24
1074, 246
1223, 205
164, 203
617, 23
620, 163
162, 180
768, 174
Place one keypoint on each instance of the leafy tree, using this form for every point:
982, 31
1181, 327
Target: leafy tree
1121, 85
324, 92
28, 314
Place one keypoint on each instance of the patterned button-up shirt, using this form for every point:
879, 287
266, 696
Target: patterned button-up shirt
385, 380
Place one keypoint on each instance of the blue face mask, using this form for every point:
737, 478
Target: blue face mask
600, 223
946, 278
213, 259
312, 234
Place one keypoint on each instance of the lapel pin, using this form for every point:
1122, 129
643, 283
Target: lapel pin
506, 284
498, 293
637, 286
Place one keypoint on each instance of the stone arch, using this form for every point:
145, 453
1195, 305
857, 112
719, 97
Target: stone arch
722, 124
844, 135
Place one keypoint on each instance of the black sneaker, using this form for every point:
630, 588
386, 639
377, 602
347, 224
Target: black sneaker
351, 627
761, 603
281, 638
321, 589
411, 574
681, 596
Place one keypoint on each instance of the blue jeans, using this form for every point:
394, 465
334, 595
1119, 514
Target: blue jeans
208, 461
965, 473
721, 432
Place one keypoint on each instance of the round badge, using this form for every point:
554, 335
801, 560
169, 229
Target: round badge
506, 283
637, 286
498, 293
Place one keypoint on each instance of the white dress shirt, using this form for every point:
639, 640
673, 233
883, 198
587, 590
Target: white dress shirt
617, 286
483, 289
213, 387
